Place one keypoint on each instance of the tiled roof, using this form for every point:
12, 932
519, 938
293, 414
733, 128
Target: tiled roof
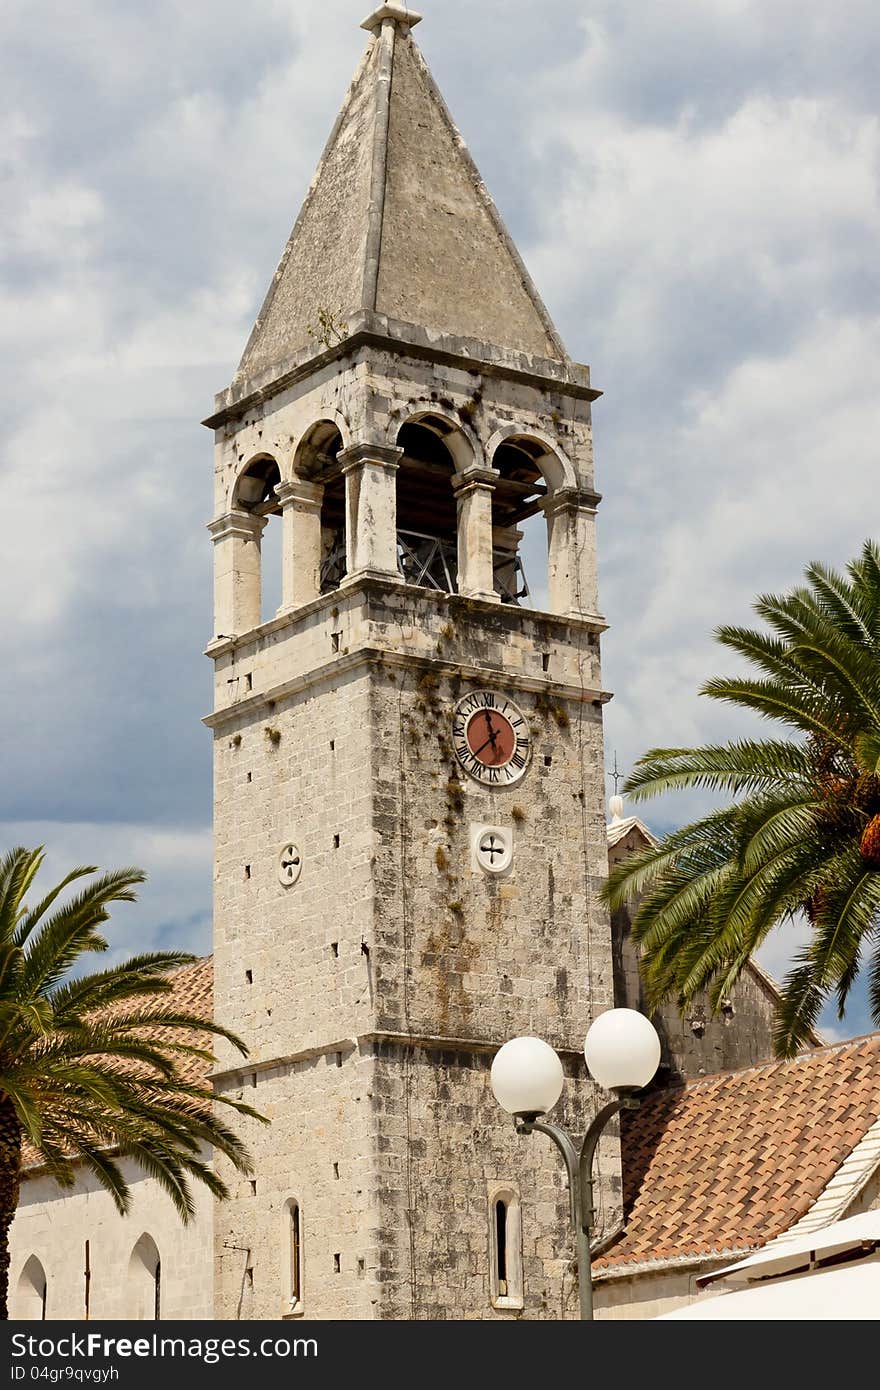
730, 1161
194, 993
617, 830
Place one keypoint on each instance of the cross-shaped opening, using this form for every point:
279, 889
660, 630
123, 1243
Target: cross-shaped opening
491, 847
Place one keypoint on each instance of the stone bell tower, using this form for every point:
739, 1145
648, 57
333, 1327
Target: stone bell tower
409, 822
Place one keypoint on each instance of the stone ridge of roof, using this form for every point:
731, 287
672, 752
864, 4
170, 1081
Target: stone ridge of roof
729, 1162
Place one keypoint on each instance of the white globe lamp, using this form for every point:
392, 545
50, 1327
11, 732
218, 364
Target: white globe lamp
622, 1050
526, 1077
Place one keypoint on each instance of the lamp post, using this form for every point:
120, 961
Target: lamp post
622, 1052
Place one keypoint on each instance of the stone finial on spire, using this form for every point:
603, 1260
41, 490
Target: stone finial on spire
397, 10
615, 806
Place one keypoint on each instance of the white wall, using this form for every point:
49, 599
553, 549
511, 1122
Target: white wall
54, 1224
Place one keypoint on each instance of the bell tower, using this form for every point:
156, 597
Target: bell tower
409, 788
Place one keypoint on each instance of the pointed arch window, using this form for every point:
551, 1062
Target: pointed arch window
145, 1281
31, 1292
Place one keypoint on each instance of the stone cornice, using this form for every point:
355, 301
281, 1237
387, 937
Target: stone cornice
364, 584
405, 339
426, 1042
341, 666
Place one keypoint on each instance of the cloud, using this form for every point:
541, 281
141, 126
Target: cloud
694, 187
173, 909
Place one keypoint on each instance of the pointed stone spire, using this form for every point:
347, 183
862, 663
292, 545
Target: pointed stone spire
397, 224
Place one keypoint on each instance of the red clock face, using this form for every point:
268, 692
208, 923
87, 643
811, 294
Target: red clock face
490, 738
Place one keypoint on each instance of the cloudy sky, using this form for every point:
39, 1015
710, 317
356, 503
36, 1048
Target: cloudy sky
695, 189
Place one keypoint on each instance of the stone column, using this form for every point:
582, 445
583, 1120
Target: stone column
473, 493
371, 511
301, 542
505, 546
236, 572
571, 552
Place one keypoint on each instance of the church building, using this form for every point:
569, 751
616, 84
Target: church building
409, 811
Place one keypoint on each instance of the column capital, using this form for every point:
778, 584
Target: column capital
298, 490
477, 475
384, 455
571, 499
242, 525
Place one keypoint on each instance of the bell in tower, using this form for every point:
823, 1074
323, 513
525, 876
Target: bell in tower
409, 822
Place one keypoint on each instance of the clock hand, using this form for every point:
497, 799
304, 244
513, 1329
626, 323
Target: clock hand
491, 740
493, 734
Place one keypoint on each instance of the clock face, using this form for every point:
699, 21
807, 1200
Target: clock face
491, 738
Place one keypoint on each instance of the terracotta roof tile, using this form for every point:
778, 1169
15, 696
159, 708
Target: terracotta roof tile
193, 992
729, 1161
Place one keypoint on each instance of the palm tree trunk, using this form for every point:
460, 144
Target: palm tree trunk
10, 1181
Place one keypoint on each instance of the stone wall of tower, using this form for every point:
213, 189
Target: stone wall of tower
445, 1149
290, 971
336, 722
320, 1153
459, 953
464, 956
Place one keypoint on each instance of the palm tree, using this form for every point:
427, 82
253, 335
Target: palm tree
802, 834
94, 1068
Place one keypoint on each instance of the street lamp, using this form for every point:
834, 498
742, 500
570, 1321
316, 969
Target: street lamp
622, 1051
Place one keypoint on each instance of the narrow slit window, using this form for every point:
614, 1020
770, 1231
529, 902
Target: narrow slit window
295, 1236
501, 1246
505, 1238
157, 1291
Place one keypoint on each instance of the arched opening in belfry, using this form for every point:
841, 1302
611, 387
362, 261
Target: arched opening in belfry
316, 461
31, 1293
518, 524
255, 493
427, 518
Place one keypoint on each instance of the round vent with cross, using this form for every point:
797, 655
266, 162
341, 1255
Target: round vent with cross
492, 848
289, 865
